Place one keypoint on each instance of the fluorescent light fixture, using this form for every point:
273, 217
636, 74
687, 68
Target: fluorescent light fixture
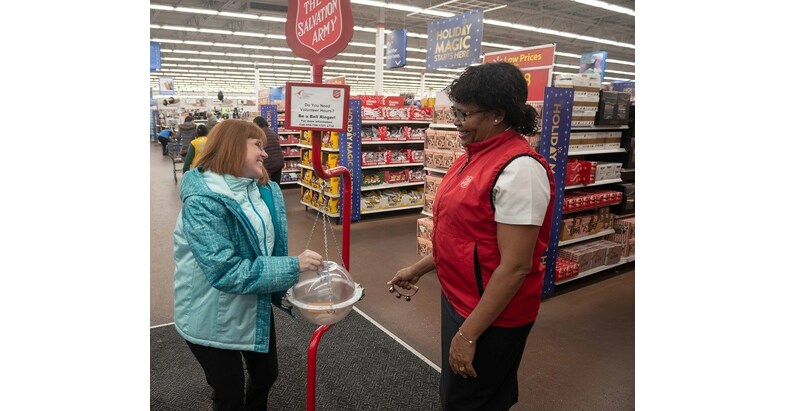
239, 15
271, 18
161, 7
197, 11
199, 43
215, 31
607, 6
180, 28
248, 34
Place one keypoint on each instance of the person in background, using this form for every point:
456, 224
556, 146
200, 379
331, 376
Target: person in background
212, 120
232, 265
185, 133
274, 161
196, 147
163, 138
491, 225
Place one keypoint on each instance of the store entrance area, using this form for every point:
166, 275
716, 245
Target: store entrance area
580, 354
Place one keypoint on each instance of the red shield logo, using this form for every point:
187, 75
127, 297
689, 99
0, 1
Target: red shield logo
336, 93
319, 30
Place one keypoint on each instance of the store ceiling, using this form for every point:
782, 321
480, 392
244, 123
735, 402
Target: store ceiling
224, 60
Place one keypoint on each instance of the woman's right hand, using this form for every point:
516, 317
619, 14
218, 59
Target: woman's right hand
405, 278
309, 261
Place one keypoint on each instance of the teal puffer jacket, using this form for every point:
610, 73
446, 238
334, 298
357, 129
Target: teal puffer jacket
224, 285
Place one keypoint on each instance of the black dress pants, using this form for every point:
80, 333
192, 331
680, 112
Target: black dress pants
164, 142
224, 371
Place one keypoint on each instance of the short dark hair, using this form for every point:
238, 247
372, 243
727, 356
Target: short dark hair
189, 118
261, 122
201, 130
497, 86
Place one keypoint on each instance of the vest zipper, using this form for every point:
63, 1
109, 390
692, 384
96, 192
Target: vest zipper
264, 226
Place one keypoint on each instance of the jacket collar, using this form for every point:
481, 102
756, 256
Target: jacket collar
501, 138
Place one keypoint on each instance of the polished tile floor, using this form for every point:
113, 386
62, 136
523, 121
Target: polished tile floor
580, 354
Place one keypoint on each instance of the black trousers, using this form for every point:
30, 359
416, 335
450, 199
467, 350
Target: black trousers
225, 374
497, 357
276, 176
164, 142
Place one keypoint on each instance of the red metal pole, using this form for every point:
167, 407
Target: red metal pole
316, 145
310, 402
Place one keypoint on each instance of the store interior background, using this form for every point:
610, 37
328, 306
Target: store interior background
700, 343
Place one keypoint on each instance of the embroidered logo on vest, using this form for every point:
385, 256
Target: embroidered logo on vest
466, 181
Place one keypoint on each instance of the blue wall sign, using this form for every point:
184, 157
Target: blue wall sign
155, 56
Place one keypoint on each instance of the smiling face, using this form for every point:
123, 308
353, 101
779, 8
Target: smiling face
253, 166
478, 124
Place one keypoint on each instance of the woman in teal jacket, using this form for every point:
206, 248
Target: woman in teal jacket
232, 263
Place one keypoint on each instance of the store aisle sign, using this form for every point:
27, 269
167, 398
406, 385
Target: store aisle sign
554, 144
166, 86
536, 64
454, 41
317, 30
155, 56
321, 107
396, 49
350, 149
593, 62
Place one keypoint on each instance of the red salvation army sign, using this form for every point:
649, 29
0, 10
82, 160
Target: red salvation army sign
317, 30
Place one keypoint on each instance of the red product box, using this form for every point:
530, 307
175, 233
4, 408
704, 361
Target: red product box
372, 158
395, 133
424, 228
398, 156
414, 175
395, 113
394, 101
416, 133
395, 176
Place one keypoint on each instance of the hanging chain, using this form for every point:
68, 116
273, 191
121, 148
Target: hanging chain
323, 212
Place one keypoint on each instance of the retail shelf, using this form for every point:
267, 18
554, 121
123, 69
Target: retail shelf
629, 259
392, 165
392, 141
319, 190
428, 214
290, 145
288, 132
603, 151
297, 156
291, 170
587, 237
385, 186
444, 125
595, 270
589, 208
289, 182
319, 209
305, 166
383, 210
393, 122
326, 149
596, 183
597, 127
436, 170
627, 170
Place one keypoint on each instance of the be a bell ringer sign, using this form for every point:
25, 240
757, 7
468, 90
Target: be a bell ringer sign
321, 107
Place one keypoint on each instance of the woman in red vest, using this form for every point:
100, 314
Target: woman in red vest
491, 223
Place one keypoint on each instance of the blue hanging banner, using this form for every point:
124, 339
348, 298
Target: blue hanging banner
270, 113
396, 49
554, 144
454, 41
155, 56
350, 149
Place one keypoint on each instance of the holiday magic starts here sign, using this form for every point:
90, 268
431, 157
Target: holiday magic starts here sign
317, 30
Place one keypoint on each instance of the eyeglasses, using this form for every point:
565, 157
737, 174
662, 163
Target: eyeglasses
461, 115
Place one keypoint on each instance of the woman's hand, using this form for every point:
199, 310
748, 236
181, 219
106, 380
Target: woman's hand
461, 357
405, 278
309, 261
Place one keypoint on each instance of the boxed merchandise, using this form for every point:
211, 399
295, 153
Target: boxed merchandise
414, 175
424, 247
428, 205
614, 251
567, 229
395, 133
370, 158
432, 183
629, 248
395, 176
372, 177
398, 156
424, 227
416, 156
415, 133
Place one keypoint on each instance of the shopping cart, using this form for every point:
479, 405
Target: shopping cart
173, 150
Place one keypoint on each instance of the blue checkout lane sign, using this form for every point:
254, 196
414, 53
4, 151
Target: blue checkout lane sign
554, 144
396, 49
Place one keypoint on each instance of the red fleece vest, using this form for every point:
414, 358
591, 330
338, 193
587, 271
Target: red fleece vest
464, 231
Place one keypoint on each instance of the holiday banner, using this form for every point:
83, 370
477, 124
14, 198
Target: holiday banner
155, 56
396, 49
270, 113
350, 156
554, 143
454, 41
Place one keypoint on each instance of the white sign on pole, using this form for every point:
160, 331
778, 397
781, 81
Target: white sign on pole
321, 107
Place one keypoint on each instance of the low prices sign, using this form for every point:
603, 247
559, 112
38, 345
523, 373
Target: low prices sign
536, 63
317, 30
320, 107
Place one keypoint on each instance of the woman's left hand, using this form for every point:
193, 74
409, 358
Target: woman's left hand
461, 357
